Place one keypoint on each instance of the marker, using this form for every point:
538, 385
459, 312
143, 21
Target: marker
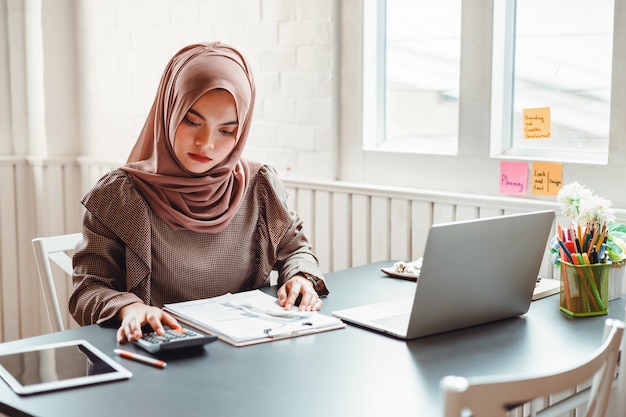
586, 260
578, 259
157, 363
571, 246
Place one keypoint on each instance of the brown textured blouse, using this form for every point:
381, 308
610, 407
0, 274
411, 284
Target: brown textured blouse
129, 254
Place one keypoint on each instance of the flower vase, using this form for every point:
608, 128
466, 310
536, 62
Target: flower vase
617, 282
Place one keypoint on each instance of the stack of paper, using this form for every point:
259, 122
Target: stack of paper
250, 317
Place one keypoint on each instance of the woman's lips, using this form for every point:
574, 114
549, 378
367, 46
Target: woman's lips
200, 158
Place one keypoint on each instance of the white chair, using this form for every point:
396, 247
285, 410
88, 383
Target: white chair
55, 249
494, 396
620, 390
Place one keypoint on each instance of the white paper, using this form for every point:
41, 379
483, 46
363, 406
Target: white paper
249, 316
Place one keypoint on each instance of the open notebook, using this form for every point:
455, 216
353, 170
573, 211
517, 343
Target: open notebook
473, 272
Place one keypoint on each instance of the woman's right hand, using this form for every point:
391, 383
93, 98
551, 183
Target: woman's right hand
135, 315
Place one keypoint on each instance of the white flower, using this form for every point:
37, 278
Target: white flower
570, 197
596, 208
582, 206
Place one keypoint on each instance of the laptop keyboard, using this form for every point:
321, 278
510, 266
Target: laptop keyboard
397, 321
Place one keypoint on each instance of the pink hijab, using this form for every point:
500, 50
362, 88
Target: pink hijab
204, 202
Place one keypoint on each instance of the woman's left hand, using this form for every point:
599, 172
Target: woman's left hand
294, 287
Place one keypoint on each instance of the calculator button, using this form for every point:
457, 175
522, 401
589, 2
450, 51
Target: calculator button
173, 339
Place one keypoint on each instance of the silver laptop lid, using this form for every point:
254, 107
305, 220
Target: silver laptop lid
479, 271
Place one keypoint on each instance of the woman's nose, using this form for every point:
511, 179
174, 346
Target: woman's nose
205, 141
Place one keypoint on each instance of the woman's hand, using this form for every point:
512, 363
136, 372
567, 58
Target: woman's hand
294, 287
135, 315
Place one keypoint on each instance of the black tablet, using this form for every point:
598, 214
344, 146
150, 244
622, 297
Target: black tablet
56, 366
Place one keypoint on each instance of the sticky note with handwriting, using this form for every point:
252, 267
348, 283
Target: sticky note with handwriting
513, 177
547, 178
537, 123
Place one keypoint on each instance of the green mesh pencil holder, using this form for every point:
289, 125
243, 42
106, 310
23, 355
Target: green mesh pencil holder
585, 289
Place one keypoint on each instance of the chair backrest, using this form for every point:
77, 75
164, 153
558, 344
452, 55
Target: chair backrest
620, 402
54, 249
494, 396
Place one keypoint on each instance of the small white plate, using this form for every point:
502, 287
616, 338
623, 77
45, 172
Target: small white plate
390, 271
393, 274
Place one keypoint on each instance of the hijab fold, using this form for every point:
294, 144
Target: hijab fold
204, 202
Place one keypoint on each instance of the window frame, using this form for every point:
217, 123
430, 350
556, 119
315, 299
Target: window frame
374, 99
503, 80
472, 169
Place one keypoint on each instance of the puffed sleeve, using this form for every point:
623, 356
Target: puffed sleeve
101, 278
284, 229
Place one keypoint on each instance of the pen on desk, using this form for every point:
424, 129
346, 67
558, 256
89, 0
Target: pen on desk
141, 358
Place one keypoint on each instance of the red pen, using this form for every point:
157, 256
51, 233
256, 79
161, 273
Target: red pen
140, 358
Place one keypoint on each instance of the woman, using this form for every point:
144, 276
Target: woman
187, 217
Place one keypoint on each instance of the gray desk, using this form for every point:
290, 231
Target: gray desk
348, 372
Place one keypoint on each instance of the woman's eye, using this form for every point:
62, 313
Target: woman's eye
191, 122
228, 132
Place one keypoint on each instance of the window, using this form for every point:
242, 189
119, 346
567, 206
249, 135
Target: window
554, 54
412, 75
485, 136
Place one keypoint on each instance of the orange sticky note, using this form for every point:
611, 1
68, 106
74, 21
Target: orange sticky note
537, 123
513, 177
547, 178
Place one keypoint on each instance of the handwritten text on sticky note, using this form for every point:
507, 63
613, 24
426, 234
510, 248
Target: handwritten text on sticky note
537, 123
513, 177
547, 178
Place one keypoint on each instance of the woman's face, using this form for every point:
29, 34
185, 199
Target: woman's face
208, 132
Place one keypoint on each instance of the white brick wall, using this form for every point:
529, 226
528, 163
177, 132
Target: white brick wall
279, 10
291, 44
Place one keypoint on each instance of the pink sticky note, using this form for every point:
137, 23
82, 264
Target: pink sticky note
513, 177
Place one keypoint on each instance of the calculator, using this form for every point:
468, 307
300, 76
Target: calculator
173, 339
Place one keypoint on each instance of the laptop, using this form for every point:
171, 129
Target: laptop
473, 272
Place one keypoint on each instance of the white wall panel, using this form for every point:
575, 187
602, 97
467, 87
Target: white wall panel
379, 224
421, 219
9, 288
322, 229
360, 230
341, 239
399, 228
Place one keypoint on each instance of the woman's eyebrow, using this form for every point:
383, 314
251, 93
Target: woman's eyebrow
198, 114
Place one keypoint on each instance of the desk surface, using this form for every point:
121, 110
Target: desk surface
351, 371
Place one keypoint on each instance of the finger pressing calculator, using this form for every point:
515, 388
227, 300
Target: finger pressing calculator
173, 339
